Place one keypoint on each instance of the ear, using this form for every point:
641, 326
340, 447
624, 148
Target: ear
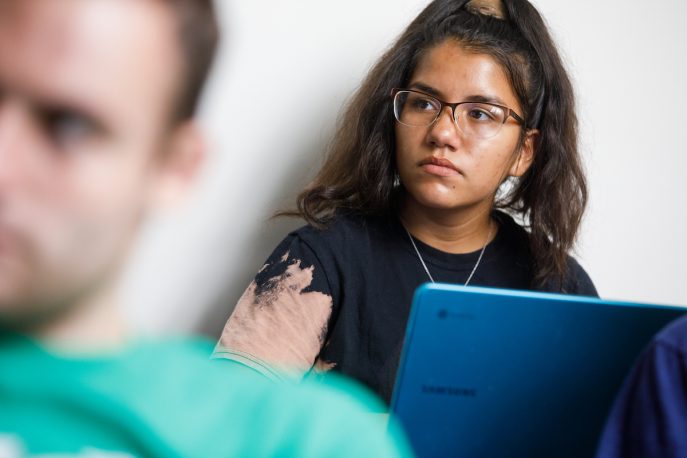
178, 165
525, 156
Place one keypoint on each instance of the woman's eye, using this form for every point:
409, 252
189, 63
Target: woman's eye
481, 114
421, 104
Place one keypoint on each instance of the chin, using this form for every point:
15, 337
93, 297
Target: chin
437, 199
438, 203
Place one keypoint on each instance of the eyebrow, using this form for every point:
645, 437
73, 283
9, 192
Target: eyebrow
471, 98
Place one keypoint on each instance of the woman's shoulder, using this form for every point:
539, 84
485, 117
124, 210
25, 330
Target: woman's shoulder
344, 248
345, 229
577, 280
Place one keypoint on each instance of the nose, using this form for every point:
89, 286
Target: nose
443, 133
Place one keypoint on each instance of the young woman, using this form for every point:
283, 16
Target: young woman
466, 125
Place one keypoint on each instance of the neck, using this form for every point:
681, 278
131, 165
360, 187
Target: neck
451, 231
92, 324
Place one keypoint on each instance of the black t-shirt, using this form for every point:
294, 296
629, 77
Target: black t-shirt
339, 298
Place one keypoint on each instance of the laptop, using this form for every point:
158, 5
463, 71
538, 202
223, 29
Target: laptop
502, 373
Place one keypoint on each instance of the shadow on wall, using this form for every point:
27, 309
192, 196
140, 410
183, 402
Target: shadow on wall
260, 244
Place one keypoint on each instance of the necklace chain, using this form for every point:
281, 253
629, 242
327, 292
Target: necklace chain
422, 261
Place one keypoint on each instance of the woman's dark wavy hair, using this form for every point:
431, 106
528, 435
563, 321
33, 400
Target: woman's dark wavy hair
360, 174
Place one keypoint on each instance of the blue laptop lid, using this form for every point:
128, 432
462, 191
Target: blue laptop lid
499, 373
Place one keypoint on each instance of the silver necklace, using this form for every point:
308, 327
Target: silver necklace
422, 261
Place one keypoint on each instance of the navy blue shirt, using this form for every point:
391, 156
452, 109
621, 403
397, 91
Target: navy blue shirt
649, 418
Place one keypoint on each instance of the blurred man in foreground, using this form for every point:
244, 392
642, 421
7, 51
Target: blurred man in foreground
96, 130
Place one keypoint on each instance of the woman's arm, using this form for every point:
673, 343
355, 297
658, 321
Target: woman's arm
279, 324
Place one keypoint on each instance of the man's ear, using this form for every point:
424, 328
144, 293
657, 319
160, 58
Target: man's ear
525, 157
178, 165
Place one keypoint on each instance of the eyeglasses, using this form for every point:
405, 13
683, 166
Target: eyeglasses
478, 119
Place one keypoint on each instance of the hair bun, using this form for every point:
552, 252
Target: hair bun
493, 8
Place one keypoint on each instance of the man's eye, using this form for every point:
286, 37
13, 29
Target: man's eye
66, 128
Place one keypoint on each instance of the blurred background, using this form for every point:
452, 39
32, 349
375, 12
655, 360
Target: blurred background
284, 71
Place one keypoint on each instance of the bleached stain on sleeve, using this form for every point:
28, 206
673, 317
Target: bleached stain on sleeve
279, 323
322, 366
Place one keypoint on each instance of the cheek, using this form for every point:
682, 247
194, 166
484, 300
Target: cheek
109, 192
111, 197
93, 213
408, 143
491, 161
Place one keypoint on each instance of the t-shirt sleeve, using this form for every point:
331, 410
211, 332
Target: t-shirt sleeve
649, 418
279, 324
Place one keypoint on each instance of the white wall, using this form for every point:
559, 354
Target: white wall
286, 68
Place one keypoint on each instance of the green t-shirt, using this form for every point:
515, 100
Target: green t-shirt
167, 399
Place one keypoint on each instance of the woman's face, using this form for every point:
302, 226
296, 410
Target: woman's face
439, 166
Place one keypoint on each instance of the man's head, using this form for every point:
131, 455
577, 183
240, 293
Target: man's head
96, 106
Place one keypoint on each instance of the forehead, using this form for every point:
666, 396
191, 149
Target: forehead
457, 73
98, 52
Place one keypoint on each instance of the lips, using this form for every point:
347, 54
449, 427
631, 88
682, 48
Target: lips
439, 166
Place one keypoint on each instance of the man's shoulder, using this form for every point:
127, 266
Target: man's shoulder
333, 417
170, 396
343, 417
315, 416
